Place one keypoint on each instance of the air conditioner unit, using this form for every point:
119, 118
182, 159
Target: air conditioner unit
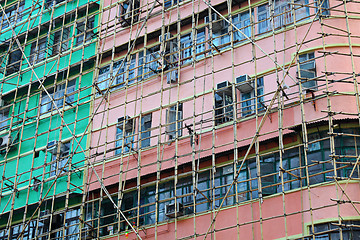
52, 147
172, 76
244, 84
167, 36
170, 210
128, 122
5, 141
223, 87
217, 23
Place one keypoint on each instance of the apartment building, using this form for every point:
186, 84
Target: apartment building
180, 120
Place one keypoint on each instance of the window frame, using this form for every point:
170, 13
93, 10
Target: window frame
146, 122
14, 14
85, 30
125, 125
224, 105
59, 160
248, 99
129, 12
58, 92
174, 130
38, 51
307, 59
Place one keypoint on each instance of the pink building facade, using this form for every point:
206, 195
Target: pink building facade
235, 121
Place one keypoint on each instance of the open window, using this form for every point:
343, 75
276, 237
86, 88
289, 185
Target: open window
224, 110
218, 30
61, 96
174, 116
61, 42
59, 158
14, 61
129, 12
85, 31
307, 71
153, 64
4, 117
250, 93
38, 51
125, 131
242, 22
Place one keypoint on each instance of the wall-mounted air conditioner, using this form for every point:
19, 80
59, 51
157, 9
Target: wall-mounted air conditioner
172, 76
5, 141
244, 84
224, 86
218, 23
52, 147
127, 121
171, 211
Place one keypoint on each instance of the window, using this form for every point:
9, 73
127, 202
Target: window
61, 94
122, 70
50, 3
186, 46
200, 43
38, 51
61, 41
174, 117
170, 3
183, 195
85, 31
248, 99
13, 15
301, 12
152, 61
129, 12
108, 217
323, 8
125, 130
263, 18
14, 61
71, 224
101, 214
330, 231
242, 22
224, 111
221, 36
60, 159
187, 43
4, 117
146, 130
15, 231
283, 12
224, 177
307, 73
